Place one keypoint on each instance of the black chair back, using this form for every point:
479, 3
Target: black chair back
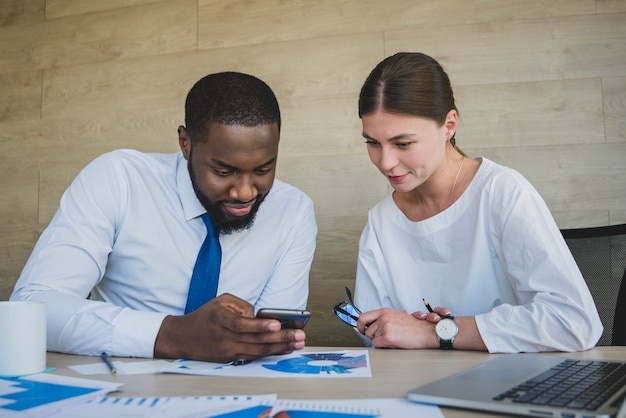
600, 253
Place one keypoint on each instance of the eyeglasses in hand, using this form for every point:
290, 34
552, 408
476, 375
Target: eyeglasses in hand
347, 311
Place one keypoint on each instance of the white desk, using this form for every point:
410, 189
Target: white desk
394, 372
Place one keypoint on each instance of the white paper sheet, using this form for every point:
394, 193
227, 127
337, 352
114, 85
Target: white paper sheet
131, 367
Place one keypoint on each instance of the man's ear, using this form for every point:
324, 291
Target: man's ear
184, 142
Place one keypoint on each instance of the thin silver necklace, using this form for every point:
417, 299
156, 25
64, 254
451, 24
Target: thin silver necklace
419, 199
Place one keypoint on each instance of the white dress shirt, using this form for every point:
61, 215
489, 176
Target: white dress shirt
128, 230
495, 254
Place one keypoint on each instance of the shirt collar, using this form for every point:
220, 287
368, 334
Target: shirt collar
192, 208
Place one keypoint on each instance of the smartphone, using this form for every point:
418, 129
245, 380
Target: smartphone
289, 318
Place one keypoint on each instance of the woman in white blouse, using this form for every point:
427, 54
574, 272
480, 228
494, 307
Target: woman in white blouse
471, 237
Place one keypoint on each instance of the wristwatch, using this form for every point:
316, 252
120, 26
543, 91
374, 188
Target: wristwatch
446, 330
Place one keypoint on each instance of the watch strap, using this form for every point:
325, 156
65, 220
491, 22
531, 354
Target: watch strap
445, 344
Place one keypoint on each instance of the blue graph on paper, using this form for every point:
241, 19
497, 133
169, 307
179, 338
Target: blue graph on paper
31, 394
319, 363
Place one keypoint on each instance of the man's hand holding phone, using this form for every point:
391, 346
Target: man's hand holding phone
225, 329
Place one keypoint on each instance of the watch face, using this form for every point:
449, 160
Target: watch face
446, 329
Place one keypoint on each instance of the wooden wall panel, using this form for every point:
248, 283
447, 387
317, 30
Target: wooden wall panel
85, 91
614, 93
611, 6
531, 113
21, 12
61, 8
275, 20
20, 193
589, 218
21, 95
146, 84
320, 125
541, 86
525, 50
158, 28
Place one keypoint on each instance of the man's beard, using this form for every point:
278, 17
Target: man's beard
222, 223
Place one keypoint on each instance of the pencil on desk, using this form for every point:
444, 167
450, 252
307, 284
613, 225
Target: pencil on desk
107, 360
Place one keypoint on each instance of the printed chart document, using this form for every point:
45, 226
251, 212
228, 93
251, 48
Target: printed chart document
174, 407
41, 395
354, 408
323, 364
242, 406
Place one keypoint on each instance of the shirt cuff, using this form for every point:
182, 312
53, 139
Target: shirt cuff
483, 325
135, 333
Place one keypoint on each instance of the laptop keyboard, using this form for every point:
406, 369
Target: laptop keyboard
575, 384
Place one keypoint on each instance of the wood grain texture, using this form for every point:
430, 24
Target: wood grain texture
20, 194
157, 28
531, 113
614, 94
61, 8
610, 6
524, 50
21, 95
541, 86
275, 20
21, 12
148, 83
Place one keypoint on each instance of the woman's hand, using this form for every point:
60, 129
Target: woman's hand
434, 316
389, 328
397, 329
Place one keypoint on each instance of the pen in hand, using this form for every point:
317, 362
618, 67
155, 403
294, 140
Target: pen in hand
105, 357
431, 310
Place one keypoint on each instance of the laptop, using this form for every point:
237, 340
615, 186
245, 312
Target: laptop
510, 384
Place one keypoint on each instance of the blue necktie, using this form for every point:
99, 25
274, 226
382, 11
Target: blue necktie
206, 272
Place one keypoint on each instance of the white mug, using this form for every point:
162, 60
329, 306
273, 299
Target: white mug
22, 338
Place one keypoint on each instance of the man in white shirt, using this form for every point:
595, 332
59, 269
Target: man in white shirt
129, 227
